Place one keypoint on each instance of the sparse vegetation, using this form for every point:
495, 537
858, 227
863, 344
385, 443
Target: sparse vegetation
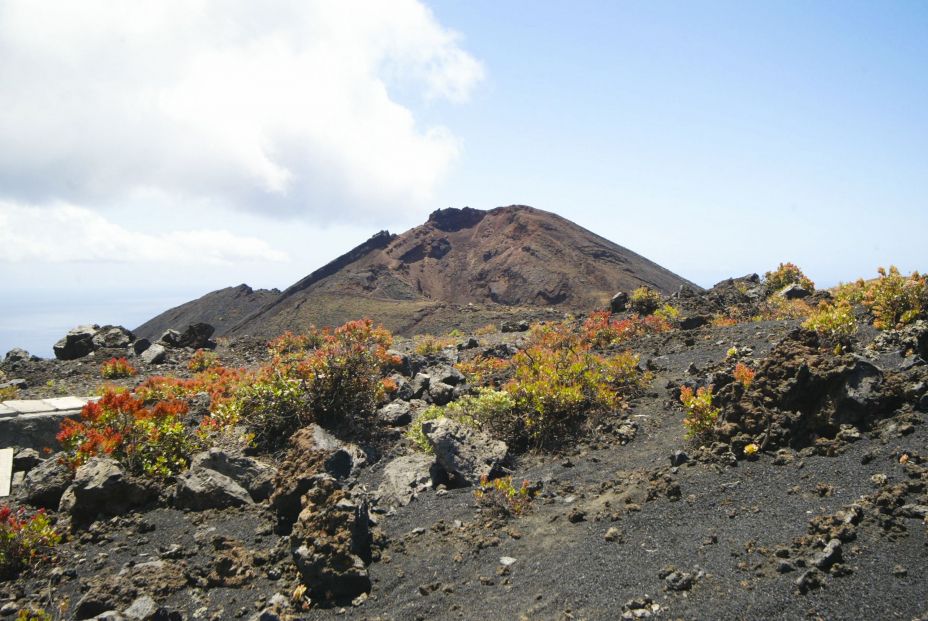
145, 440
26, 539
701, 415
786, 274
338, 381
428, 344
644, 301
834, 321
743, 374
487, 409
117, 368
203, 359
895, 300
501, 497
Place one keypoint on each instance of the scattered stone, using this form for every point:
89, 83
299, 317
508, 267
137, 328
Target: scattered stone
195, 336
202, 488
830, 555
112, 337
464, 452
45, 484
576, 516
613, 534
143, 609
331, 542
514, 326
900, 571
440, 393
396, 413
619, 302
678, 458
77, 343
507, 561
140, 345
154, 354
101, 486
404, 478
810, 579
26, 459
678, 581
794, 291
255, 476
18, 355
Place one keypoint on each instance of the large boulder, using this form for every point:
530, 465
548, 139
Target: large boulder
195, 336
255, 476
45, 484
396, 413
331, 542
619, 302
404, 478
155, 354
201, 488
101, 486
112, 337
77, 343
465, 453
344, 458
18, 355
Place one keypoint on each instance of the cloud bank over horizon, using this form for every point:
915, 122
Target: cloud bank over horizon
282, 109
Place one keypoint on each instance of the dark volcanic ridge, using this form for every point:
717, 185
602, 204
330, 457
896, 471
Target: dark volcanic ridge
513, 256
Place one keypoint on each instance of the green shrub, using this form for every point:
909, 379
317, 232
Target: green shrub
895, 300
488, 409
145, 440
116, 368
558, 382
644, 301
786, 274
501, 497
667, 312
202, 359
26, 539
701, 415
338, 382
833, 320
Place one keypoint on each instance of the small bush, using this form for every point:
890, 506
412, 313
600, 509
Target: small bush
488, 409
490, 328
601, 330
557, 382
786, 274
145, 440
895, 300
203, 359
835, 321
7, 392
502, 498
116, 368
743, 374
339, 381
427, 344
644, 301
853, 292
26, 539
778, 308
667, 312
701, 415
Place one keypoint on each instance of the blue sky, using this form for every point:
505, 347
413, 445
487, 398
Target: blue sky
151, 152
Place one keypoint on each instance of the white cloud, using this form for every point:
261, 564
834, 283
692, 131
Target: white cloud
64, 233
283, 107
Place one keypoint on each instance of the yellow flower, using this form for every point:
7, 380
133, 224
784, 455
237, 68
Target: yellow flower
751, 449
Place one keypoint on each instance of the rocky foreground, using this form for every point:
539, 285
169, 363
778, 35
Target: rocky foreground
808, 498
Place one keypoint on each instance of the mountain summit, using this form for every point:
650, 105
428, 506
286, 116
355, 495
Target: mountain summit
513, 256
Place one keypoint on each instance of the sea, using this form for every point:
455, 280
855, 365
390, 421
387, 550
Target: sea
35, 320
